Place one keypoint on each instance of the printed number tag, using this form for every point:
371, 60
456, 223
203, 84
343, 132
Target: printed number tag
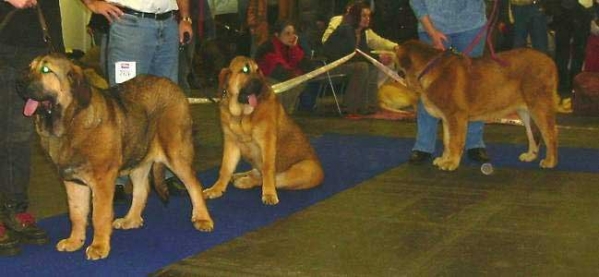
124, 71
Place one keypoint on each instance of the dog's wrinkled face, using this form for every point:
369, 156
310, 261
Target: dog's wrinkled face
50, 86
242, 85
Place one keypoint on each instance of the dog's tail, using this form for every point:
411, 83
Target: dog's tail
159, 184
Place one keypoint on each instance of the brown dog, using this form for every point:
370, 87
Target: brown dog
458, 89
92, 136
256, 127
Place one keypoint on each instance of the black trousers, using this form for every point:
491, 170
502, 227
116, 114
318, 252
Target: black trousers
572, 27
16, 130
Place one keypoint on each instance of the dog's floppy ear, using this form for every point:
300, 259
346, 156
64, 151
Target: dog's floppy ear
223, 76
403, 59
80, 89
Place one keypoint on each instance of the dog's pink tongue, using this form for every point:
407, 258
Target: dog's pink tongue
30, 107
253, 100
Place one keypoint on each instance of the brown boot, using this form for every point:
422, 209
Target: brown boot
9, 246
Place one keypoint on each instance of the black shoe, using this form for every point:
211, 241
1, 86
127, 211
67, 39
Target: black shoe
120, 196
9, 246
23, 226
478, 155
419, 157
175, 186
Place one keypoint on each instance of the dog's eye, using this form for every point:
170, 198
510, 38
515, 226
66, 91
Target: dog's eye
45, 69
246, 69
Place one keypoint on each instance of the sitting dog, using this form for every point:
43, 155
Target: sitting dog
256, 127
92, 136
458, 89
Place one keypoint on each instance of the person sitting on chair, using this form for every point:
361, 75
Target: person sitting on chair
281, 58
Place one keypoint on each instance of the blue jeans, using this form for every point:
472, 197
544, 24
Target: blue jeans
530, 19
426, 136
152, 44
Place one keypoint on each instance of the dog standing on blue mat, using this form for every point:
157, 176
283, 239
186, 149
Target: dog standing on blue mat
92, 136
458, 89
256, 127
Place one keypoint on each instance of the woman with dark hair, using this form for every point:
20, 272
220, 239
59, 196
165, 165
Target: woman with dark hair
281, 58
354, 33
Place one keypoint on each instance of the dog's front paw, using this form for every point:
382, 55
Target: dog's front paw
547, 163
69, 244
270, 199
446, 164
528, 157
128, 223
203, 225
211, 193
97, 251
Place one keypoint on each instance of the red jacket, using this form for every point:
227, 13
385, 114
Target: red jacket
278, 60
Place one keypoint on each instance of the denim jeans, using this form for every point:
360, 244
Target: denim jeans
530, 19
17, 130
426, 136
152, 44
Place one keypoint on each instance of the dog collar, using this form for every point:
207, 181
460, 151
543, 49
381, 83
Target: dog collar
435, 61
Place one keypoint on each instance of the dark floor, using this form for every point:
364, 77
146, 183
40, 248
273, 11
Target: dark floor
408, 221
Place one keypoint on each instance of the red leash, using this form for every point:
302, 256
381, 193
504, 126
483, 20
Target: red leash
488, 28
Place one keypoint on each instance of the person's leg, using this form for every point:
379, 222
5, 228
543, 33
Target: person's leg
580, 34
165, 62
521, 19
132, 39
563, 30
538, 34
426, 135
474, 136
15, 151
355, 93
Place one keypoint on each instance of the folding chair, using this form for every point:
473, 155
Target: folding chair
328, 79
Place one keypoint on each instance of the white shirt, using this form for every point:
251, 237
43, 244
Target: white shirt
148, 6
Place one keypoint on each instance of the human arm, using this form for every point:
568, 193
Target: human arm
108, 10
22, 4
333, 24
185, 22
422, 13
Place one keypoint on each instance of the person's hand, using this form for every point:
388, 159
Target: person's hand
22, 4
439, 39
108, 10
386, 58
185, 28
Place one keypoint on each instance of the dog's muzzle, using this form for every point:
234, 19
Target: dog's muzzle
250, 92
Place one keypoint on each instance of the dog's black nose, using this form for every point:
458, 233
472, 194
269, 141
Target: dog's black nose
253, 86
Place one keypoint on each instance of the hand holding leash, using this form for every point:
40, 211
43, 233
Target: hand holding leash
22, 4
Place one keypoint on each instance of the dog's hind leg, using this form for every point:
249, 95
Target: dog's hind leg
141, 189
78, 199
533, 147
545, 120
200, 217
302, 175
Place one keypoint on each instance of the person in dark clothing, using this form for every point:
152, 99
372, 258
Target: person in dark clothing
354, 33
21, 40
281, 58
571, 22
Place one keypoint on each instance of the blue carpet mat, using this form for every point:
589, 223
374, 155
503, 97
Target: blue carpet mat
168, 235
